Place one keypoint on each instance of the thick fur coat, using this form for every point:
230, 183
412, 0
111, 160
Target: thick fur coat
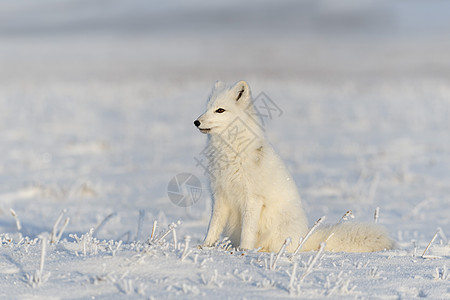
255, 200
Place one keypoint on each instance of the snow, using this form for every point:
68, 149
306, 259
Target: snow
96, 109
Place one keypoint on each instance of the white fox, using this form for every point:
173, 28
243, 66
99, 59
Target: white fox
255, 200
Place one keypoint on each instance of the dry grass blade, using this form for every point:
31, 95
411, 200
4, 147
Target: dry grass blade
429, 244
310, 232
16, 218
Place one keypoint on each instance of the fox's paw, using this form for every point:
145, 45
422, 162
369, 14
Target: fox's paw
209, 243
204, 246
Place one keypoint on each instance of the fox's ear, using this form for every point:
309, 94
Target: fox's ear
241, 90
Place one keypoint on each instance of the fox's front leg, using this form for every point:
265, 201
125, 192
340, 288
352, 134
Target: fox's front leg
217, 223
250, 222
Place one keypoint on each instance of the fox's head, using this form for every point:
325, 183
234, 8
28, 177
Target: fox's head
225, 105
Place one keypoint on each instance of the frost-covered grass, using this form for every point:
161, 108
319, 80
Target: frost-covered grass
94, 125
82, 267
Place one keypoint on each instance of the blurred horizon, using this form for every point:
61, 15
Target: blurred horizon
331, 19
255, 40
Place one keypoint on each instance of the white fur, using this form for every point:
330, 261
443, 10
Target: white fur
255, 199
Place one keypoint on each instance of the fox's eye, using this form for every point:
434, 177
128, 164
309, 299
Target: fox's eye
220, 110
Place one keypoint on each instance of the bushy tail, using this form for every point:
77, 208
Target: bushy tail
350, 237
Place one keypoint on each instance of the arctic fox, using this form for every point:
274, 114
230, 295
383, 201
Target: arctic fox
255, 200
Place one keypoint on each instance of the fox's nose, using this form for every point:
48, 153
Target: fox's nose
197, 123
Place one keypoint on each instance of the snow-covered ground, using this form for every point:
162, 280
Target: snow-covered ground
97, 102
